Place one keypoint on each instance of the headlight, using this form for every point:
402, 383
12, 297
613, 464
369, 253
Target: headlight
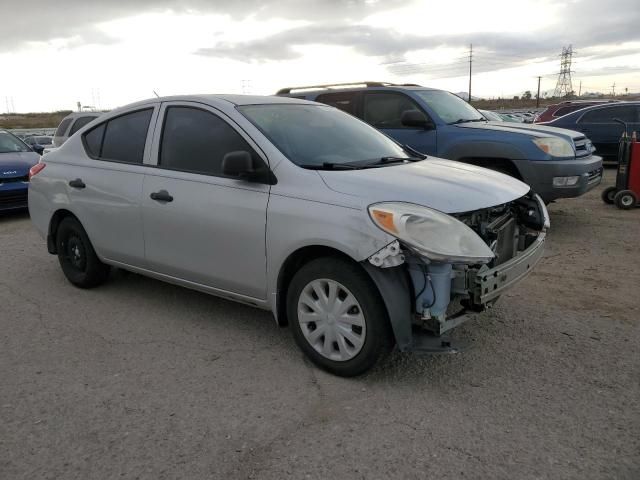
433, 234
556, 147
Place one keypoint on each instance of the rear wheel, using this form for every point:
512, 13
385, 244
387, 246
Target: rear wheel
76, 255
608, 195
337, 317
625, 199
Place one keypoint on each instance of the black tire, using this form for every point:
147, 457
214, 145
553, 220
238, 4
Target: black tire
625, 199
76, 255
608, 194
378, 340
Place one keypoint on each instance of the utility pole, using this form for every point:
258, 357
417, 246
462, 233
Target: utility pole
538, 94
580, 89
613, 89
470, 63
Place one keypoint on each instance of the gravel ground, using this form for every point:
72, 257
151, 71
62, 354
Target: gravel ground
141, 379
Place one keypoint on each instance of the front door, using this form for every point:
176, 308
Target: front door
384, 111
199, 225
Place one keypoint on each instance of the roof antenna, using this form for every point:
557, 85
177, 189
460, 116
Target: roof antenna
154, 92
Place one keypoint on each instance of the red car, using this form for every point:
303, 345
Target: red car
560, 109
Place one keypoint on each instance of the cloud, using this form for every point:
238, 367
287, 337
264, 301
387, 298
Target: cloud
581, 23
44, 20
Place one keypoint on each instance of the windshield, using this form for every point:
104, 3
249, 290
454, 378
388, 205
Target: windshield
43, 140
10, 144
449, 107
315, 135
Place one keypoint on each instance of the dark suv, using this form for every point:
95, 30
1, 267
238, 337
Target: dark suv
604, 125
556, 163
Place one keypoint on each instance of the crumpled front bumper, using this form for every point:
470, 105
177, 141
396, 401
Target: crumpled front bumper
486, 284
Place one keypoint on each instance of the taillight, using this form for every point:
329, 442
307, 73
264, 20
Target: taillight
36, 169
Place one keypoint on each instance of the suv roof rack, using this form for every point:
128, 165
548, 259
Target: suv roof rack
284, 91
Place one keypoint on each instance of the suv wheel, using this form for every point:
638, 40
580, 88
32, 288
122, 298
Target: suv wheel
77, 257
337, 317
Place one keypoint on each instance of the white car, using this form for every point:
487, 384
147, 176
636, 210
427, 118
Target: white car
294, 207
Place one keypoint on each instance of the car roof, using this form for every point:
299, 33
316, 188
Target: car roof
217, 99
349, 87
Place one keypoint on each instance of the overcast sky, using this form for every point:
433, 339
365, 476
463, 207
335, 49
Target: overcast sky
55, 53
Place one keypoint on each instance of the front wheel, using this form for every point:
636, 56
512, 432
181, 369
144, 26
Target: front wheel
77, 257
337, 317
625, 199
608, 194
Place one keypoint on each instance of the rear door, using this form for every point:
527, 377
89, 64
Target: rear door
201, 226
600, 127
106, 189
384, 110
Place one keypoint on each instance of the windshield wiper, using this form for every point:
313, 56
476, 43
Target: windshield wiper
467, 120
414, 152
331, 166
386, 160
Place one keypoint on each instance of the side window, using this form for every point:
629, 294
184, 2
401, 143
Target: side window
121, 139
93, 140
565, 110
384, 110
345, 101
62, 128
626, 113
80, 122
195, 140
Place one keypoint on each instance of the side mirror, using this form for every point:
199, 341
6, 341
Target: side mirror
239, 164
415, 118
37, 148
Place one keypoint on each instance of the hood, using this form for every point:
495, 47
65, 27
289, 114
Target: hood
444, 185
17, 164
532, 129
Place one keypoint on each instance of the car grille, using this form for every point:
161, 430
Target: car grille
595, 175
583, 146
24, 178
13, 199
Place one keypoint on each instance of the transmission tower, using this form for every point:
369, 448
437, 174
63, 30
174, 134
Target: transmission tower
564, 87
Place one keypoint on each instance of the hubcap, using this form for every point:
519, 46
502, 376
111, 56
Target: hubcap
75, 253
331, 320
627, 200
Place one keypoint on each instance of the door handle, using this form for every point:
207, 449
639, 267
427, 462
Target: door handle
77, 183
161, 196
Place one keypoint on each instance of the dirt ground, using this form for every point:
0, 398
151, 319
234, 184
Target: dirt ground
141, 379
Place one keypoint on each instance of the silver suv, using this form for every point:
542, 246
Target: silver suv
351, 239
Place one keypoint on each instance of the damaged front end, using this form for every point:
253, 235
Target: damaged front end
487, 252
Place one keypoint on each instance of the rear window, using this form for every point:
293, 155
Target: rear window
121, 139
62, 128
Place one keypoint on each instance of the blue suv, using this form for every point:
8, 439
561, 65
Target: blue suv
556, 163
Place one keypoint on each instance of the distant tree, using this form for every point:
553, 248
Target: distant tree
516, 97
526, 95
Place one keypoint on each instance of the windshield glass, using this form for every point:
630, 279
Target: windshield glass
43, 140
312, 135
10, 144
449, 107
